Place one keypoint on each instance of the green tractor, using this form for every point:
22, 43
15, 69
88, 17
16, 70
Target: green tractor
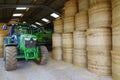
44, 37
22, 44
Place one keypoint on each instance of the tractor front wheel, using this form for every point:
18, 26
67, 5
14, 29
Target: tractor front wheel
44, 55
10, 58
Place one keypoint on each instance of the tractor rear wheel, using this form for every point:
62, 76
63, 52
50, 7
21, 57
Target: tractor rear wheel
10, 58
44, 55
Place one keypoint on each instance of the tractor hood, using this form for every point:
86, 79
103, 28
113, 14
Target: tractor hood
28, 36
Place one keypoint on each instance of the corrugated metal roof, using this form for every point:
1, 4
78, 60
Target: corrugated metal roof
35, 13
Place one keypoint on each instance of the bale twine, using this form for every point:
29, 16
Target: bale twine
81, 21
94, 2
67, 54
57, 53
115, 13
4, 32
100, 15
83, 5
99, 39
67, 40
99, 62
70, 8
58, 25
79, 39
116, 65
79, 58
56, 40
69, 24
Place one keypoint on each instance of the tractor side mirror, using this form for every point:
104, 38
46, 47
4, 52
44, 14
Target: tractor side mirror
4, 27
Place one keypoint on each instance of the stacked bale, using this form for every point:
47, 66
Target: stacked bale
96, 14
98, 47
57, 39
79, 53
70, 11
70, 8
81, 21
3, 33
81, 24
79, 38
57, 46
1, 44
83, 5
69, 26
67, 42
99, 38
116, 39
94, 2
67, 54
58, 25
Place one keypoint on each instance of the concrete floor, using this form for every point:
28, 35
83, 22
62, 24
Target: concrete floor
54, 70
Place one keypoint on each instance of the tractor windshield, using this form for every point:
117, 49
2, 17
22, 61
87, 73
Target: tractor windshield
21, 30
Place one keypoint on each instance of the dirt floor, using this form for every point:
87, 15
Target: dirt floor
54, 70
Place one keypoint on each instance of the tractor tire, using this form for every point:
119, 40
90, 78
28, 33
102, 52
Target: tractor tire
44, 55
10, 58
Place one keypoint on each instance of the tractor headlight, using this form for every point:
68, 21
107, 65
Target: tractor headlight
27, 39
34, 39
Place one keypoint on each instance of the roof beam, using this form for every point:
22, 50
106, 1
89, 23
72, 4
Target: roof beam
2, 6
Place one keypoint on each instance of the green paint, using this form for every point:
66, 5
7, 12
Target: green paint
44, 36
20, 34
